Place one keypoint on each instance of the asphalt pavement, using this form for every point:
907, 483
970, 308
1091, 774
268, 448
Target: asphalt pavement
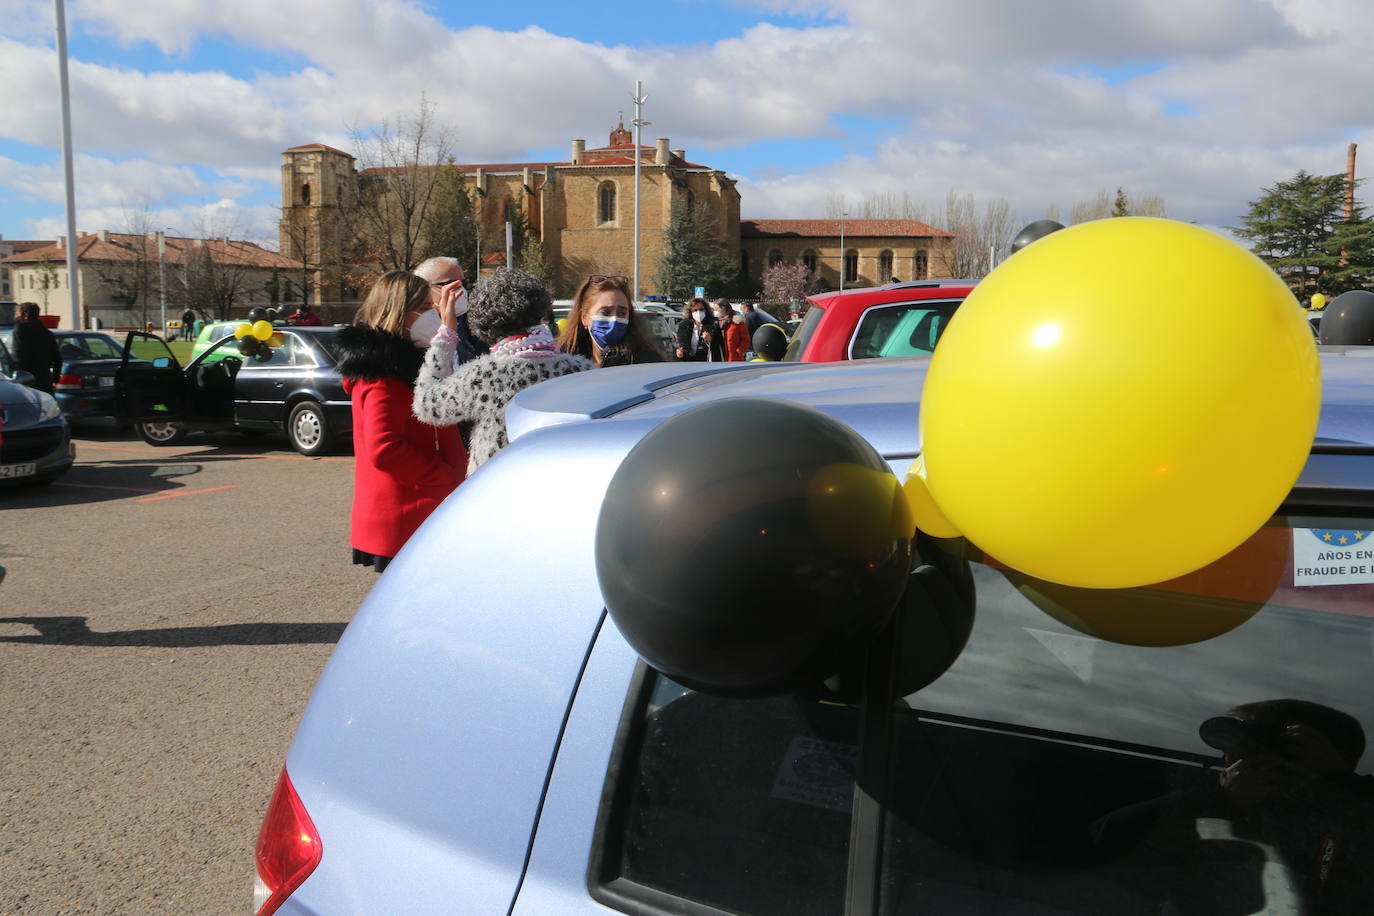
165, 615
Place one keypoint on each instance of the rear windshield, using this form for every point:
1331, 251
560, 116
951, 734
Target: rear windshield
88, 346
803, 334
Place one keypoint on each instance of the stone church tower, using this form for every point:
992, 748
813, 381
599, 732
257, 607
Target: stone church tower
318, 183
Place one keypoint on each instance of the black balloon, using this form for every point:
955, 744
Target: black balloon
248, 345
769, 342
1036, 230
749, 546
1348, 320
257, 313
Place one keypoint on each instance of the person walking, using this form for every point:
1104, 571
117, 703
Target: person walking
404, 467
755, 317
35, 348
507, 313
188, 318
441, 273
698, 339
604, 328
734, 336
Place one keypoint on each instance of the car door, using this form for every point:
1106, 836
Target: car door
263, 384
149, 384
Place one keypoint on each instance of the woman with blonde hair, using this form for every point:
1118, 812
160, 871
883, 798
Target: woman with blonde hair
404, 467
604, 327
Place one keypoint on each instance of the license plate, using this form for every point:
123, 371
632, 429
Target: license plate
17, 470
107, 381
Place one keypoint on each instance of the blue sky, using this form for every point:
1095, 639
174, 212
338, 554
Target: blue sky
181, 109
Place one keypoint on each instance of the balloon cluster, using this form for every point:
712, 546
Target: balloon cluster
256, 340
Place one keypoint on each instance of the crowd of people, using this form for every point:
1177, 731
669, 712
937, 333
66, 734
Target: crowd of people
431, 367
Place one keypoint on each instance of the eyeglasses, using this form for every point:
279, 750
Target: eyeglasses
441, 284
595, 277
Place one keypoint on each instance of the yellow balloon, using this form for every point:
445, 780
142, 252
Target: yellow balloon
928, 516
262, 329
276, 340
1076, 427
858, 512
1318, 301
242, 330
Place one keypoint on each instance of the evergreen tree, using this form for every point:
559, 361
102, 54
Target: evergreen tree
450, 228
689, 260
1298, 227
1121, 206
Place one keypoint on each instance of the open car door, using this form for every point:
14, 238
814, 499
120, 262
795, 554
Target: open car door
149, 386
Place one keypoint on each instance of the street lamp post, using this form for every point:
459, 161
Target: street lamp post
639, 99
844, 257
162, 277
73, 275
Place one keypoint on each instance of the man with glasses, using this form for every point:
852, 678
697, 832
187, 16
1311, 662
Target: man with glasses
439, 273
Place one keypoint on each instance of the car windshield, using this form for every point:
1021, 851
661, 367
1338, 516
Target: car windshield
88, 346
804, 333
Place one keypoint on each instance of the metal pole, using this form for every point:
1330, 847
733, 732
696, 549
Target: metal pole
639, 98
162, 277
73, 275
844, 259
510, 252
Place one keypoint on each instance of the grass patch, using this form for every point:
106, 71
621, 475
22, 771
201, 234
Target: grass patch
181, 349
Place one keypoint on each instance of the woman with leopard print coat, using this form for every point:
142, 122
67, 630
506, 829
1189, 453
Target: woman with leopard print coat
506, 311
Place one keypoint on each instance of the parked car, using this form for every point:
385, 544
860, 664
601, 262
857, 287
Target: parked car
211, 333
528, 762
901, 319
296, 390
35, 440
85, 385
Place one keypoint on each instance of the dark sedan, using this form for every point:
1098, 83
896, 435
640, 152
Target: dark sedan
293, 388
84, 386
35, 442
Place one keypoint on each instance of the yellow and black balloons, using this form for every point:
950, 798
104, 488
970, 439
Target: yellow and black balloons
1076, 425
769, 342
747, 545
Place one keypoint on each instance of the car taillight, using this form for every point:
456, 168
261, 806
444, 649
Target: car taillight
68, 380
288, 848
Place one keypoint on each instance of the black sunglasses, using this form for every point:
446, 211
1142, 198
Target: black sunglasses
445, 283
595, 277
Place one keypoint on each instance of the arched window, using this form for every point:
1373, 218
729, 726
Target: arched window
744, 262
305, 194
691, 201
774, 257
851, 266
885, 266
809, 260
922, 266
607, 203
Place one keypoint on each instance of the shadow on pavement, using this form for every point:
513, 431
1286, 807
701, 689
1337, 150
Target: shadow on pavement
102, 482
73, 631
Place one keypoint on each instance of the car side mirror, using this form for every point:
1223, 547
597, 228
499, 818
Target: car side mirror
162, 362
23, 377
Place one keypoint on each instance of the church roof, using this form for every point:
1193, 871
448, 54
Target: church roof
118, 246
310, 146
828, 228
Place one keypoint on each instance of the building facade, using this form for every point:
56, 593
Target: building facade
582, 212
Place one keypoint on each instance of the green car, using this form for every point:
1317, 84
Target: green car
213, 333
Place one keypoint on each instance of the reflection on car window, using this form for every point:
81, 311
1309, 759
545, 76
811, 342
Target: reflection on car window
101, 347
910, 329
6, 366
1062, 763
739, 804
802, 336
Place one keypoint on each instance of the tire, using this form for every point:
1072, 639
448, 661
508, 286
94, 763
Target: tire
160, 433
308, 429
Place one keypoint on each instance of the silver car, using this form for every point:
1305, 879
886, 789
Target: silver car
485, 740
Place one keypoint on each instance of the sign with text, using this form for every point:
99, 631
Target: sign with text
1331, 556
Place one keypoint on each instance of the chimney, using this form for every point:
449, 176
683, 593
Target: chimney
103, 234
1350, 182
61, 241
661, 153
578, 148
680, 153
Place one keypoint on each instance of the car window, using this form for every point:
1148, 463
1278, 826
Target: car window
301, 354
1049, 770
277, 357
804, 333
98, 346
908, 329
743, 805
6, 364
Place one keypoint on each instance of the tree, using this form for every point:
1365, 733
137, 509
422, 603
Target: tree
450, 227
979, 241
1121, 205
402, 165
785, 283
1299, 228
690, 259
132, 274
47, 279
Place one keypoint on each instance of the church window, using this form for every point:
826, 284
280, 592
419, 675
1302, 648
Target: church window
885, 266
851, 266
606, 202
809, 260
922, 266
774, 257
305, 194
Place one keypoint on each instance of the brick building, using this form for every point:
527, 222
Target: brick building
581, 210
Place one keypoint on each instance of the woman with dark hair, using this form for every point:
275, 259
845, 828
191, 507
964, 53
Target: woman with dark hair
698, 336
732, 330
605, 328
404, 467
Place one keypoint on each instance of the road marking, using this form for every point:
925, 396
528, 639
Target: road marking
156, 451
174, 495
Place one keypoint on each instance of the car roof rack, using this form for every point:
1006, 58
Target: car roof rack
931, 284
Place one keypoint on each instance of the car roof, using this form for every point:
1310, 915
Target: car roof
879, 398
912, 290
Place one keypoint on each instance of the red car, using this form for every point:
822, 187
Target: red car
903, 319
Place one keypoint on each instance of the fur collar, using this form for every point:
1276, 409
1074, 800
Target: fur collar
368, 354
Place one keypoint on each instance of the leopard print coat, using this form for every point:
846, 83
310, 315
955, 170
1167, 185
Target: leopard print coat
475, 396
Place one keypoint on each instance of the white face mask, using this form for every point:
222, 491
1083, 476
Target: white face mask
698, 314
425, 327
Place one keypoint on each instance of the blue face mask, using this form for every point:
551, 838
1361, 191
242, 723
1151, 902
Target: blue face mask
607, 332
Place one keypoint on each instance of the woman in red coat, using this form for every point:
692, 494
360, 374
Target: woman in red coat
732, 326
404, 467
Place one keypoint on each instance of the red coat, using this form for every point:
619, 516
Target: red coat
736, 341
404, 467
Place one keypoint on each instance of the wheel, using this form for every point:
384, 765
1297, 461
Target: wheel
308, 429
161, 433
